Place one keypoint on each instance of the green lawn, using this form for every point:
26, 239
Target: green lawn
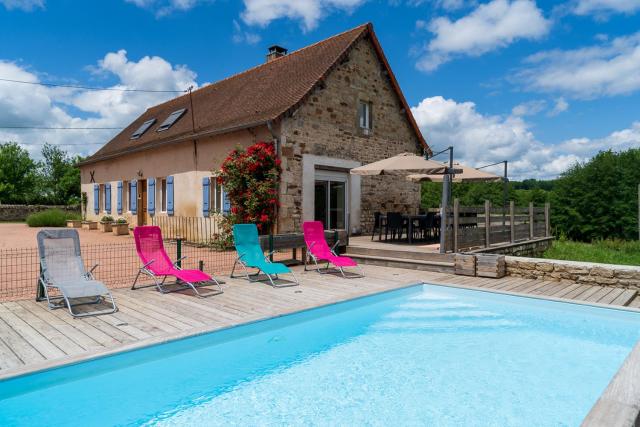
604, 251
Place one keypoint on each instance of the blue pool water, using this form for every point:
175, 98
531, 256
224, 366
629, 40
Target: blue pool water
425, 355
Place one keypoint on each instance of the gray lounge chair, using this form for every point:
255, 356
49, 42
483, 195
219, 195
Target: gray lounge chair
62, 268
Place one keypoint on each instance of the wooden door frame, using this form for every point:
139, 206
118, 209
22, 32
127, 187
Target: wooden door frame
142, 202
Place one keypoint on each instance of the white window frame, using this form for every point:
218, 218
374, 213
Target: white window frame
364, 115
125, 196
161, 194
102, 198
215, 195
129, 196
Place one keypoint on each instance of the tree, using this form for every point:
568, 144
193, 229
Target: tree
598, 199
60, 177
18, 175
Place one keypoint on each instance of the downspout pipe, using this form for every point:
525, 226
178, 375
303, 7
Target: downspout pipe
276, 141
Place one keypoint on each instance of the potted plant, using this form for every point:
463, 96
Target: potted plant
74, 223
106, 223
120, 227
90, 225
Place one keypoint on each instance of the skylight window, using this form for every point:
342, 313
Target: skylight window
143, 128
173, 117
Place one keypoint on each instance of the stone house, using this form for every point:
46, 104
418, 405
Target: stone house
328, 107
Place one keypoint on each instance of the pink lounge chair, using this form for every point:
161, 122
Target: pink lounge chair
157, 264
319, 250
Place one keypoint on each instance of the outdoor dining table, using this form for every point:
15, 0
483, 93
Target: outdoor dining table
410, 218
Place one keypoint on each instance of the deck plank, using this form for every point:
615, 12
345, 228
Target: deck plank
29, 333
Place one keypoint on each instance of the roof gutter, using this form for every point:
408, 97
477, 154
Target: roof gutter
176, 140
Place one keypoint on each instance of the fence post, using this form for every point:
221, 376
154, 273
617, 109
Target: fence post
271, 247
512, 220
179, 251
547, 224
530, 220
456, 223
487, 223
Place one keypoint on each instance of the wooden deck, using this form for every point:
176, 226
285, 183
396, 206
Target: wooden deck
32, 337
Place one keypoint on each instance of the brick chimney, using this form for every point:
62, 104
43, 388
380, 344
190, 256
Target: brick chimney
275, 52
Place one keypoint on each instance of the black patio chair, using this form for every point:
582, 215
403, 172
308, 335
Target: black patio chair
379, 223
396, 226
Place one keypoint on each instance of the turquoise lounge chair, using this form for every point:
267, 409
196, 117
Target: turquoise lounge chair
250, 255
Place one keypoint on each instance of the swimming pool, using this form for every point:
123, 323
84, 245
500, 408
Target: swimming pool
422, 355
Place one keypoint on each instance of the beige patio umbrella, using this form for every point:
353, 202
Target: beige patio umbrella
402, 164
468, 174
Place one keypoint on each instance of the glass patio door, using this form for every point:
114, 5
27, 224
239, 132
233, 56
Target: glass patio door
331, 199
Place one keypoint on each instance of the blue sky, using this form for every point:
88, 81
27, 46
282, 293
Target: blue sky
542, 84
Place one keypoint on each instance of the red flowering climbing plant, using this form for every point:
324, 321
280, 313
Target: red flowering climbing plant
250, 179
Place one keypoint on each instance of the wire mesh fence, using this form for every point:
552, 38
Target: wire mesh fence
118, 265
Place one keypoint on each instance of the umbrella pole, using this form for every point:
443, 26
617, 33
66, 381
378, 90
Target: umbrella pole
443, 212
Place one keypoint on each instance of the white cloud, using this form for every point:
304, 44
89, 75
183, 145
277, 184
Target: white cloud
529, 108
483, 139
25, 5
449, 5
166, 7
263, 12
39, 106
490, 26
606, 69
560, 106
604, 7
242, 36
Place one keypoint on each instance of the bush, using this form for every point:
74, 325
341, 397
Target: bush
50, 218
106, 218
250, 179
121, 221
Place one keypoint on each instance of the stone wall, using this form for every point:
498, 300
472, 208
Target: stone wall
21, 212
327, 125
569, 272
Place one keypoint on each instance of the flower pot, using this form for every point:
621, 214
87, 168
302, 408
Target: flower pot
74, 223
90, 225
120, 229
106, 226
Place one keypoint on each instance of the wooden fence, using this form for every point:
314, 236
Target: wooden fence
477, 227
199, 230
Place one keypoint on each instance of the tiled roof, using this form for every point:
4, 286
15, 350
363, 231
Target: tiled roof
247, 99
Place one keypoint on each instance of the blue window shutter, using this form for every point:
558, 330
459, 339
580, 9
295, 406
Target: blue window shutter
205, 196
133, 197
169, 195
226, 204
107, 197
151, 196
119, 202
96, 198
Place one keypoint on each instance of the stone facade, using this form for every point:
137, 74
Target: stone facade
570, 272
21, 212
327, 125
